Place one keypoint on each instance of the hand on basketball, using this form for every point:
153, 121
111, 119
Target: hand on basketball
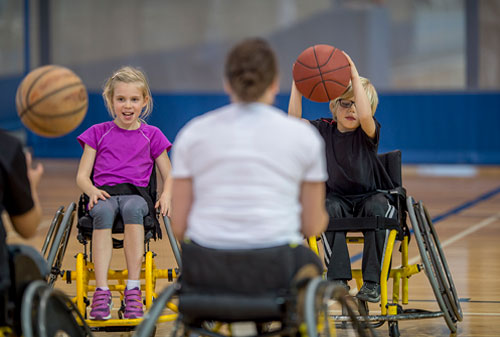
96, 195
164, 204
354, 71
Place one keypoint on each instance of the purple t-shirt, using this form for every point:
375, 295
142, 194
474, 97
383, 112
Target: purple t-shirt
124, 156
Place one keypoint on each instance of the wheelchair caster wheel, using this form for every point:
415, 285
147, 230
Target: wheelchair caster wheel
394, 329
363, 307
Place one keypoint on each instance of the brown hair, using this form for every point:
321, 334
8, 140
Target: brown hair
250, 69
127, 75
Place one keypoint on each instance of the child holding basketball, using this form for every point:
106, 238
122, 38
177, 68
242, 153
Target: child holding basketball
121, 155
352, 138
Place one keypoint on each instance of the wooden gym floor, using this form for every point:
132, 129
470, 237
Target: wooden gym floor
466, 213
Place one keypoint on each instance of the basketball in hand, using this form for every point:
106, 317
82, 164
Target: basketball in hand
322, 73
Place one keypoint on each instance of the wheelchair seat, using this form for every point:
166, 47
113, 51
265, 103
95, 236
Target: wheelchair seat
237, 285
391, 161
152, 228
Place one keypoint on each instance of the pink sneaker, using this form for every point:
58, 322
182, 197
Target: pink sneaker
133, 303
101, 305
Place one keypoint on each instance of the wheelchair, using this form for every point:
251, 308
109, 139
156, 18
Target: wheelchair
433, 259
25, 266
55, 246
251, 293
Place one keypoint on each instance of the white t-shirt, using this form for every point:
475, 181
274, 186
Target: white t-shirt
247, 163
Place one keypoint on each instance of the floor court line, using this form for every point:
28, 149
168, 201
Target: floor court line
453, 211
462, 234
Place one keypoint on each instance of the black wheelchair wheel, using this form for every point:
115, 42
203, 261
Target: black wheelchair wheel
317, 318
29, 307
54, 226
428, 254
445, 273
147, 327
59, 244
173, 242
57, 316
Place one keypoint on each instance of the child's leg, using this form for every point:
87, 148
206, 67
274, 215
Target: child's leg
103, 215
133, 209
374, 241
339, 266
102, 250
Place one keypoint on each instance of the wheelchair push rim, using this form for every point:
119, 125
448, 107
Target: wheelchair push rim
426, 253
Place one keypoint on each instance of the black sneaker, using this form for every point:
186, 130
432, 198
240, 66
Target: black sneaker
370, 292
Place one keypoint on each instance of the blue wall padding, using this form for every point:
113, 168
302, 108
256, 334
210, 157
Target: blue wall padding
445, 127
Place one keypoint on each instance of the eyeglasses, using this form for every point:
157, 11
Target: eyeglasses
345, 103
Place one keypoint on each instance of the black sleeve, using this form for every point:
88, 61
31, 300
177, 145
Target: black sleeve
17, 193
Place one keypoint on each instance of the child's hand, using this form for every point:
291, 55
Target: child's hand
96, 195
354, 70
34, 174
164, 204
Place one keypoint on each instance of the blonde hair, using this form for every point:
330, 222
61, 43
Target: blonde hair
370, 91
128, 75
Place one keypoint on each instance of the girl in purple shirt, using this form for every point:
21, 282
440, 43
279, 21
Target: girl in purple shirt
122, 151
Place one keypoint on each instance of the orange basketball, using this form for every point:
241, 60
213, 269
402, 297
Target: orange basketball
51, 101
322, 73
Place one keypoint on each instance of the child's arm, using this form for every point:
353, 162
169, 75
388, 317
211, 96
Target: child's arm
182, 199
295, 103
83, 177
363, 107
164, 166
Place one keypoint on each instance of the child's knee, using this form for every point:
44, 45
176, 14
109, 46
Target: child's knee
103, 214
376, 205
133, 210
334, 209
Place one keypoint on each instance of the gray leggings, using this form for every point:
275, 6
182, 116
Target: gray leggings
133, 209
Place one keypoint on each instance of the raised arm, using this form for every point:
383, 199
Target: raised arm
363, 107
26, 224
314, 216
83, 177
295, 103
164, 166
182, 200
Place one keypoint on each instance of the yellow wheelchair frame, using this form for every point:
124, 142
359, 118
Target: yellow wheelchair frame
433, 263
84, 274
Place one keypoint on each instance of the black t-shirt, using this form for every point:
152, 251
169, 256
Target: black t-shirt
351, 160
15, 192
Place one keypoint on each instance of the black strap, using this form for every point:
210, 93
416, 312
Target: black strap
130, 189
362, 223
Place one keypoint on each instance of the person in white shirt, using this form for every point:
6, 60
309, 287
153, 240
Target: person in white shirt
247, 176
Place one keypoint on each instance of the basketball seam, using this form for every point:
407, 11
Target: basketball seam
38, 126
326, 72
48, 95
28, 91
321, 75
65, 114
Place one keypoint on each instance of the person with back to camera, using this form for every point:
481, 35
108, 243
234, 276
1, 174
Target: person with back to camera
19, 197
122, 154
245, 176
355, 173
